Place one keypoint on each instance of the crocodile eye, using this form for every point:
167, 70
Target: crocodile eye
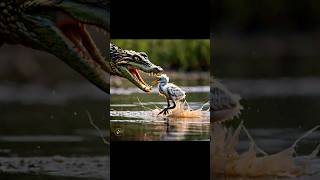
136, 58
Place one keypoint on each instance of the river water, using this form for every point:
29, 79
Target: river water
276, 113
132, 119
46, 134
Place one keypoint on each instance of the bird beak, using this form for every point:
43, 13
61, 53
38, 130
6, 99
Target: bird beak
155, 81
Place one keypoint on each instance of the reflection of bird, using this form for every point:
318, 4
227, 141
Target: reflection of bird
224, 105
170, 91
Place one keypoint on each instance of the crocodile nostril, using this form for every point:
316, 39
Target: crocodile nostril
158, 69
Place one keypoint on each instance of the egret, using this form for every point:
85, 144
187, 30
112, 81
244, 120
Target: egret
170, 91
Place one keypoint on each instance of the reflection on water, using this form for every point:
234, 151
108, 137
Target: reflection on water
145, 127
276, 113
133, 120
47, 133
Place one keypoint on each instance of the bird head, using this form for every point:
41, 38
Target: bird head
163, 78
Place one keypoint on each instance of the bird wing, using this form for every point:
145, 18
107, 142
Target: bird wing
176, 92
224, 104
222, 98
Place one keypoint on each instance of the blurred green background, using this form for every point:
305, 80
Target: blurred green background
173, 54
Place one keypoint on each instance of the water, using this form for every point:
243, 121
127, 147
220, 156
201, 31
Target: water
277, 112
50, 137
132, 119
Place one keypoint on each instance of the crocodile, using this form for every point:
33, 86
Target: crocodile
127, 63
59, 27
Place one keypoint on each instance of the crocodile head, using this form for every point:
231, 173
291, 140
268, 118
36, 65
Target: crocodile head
59, 27
128, 63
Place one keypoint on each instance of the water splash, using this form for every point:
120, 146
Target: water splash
182, 110
255, 162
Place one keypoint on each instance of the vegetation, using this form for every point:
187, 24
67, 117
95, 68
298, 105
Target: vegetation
182, 55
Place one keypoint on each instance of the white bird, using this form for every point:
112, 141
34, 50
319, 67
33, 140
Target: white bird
170, 91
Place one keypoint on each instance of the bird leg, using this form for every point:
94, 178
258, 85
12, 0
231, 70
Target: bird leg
174, 104
172, 107
165, 110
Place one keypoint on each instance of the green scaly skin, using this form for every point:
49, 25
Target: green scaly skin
59, 27
127, 63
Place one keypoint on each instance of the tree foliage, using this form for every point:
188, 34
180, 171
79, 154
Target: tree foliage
181, 55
